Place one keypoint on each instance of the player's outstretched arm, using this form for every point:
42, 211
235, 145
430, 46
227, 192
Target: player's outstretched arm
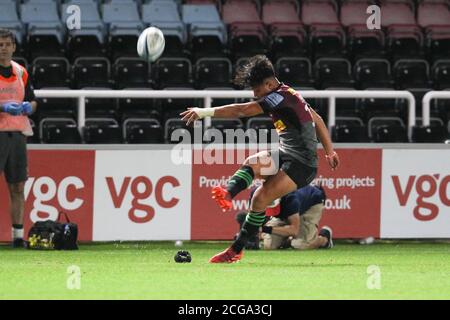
324, 136
236, 110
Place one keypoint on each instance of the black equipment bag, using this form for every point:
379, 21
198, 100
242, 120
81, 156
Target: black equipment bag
49, 234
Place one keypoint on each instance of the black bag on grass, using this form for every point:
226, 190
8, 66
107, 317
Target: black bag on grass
48, 235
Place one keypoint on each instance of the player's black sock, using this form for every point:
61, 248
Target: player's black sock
249, 229
241, 180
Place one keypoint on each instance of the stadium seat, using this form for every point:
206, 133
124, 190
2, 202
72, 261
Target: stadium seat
59, 130
434, 122
431, 134
56, 107
414, 73
100, 107
397, 13
125, 25
90, 39
208, 34
365, 43
138, 130
287, 33
333, 72
327, 38
404, 37
217, 3
192, 14
213, 72
434, 17
288, 40
285, 12
319, 12
438, 43
327, 41
131, 72
264, 130
348, 121
433, 14
171, 107
221, 101
345, 107
441, 108
288, 36
165, 15
441, 74
45, 30
10, 20
387, 129
296, 72
362, 42
91, 72
391, 134
51, 72
183, 132
371, 107
102, 131
349, 133
224, 126
373, 73
137, 108
246, 30
240, 11
353, 12
405, 42
173, 72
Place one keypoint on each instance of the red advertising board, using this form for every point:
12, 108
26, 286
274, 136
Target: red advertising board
415, 196
207, 220
353, 193
352, 207
58, 181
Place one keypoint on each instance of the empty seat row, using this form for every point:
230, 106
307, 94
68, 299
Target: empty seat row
217, 73
312, 29
135, 131
130, 73
366, 73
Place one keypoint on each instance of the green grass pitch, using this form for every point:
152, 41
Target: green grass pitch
408, 270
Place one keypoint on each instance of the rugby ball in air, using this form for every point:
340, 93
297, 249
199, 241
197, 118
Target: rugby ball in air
151, 43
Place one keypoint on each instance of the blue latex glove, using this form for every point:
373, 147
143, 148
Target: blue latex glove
13, 108
27, 108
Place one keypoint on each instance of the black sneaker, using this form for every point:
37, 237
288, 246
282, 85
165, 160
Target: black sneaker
327, 233
18, 243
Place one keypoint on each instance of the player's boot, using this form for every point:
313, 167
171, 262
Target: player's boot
219, 194
327, 233
227, 256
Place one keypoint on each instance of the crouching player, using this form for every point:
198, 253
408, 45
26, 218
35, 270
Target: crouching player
293, 221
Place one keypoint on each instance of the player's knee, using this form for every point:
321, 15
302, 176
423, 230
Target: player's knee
255, 167
260, 200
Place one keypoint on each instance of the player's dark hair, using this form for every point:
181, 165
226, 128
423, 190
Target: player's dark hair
5, 33
254, 72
